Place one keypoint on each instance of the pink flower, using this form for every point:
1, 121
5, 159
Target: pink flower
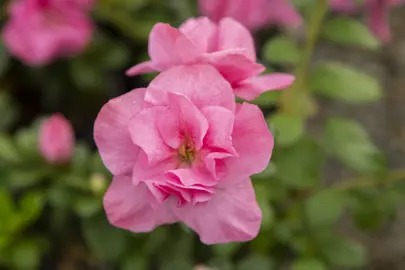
182, 150
253, 14
227, 46
41, 30
56, 139
377, 10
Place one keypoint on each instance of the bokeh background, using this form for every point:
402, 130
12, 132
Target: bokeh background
331, 197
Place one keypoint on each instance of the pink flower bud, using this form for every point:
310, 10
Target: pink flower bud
56, 139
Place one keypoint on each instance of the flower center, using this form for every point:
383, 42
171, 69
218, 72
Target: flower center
187, 152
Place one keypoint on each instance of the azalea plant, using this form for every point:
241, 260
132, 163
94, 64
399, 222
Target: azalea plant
142, 135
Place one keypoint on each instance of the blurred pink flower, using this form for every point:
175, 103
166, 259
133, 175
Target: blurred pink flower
253, 14
377, 11
228, 46
56, 139
182, 150
41, 30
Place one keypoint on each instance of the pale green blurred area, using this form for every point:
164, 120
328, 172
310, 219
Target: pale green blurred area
52, 217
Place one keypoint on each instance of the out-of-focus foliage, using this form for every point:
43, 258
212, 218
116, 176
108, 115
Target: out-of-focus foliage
52, 216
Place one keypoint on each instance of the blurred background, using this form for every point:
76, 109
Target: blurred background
331, 197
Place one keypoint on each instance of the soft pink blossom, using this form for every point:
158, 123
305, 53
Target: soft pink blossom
41, 30
182, 150
377, 12
56, 139
227, 46
253, 14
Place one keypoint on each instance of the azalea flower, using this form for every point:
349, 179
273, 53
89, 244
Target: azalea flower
254, 14
227, 46
41, 30
182, 150
56, 139
377, 11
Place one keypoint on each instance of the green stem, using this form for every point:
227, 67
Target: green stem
296, 100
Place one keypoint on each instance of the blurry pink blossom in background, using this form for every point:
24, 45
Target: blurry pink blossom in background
183, 150
56, 139
39, 31
377, 12
254, 14
228, 46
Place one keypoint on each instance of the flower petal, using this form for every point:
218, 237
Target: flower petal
144, 133
144, 67
220, 122
234, 65
232, 215
252, 141
202, 84
111, 131
233, 35
201, 31
183, 121
130, 207
253, 87
169, 47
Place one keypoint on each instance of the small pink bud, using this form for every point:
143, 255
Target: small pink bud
56, 139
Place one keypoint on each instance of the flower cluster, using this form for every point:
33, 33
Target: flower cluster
41, 30
182, 149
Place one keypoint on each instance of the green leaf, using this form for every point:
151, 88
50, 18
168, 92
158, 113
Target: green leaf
87, 206
27, 141
342, 252
288, 128
135, 262
19, 179
268, 98
256, 262
325, 207
226, 250
177, 265
4, 59
221, 264
25, 255
338, 81
308, 264
105, 241
262, 196
349, 31
299, 165
8, 151
348, 141
8, 111
281, 50
31, 206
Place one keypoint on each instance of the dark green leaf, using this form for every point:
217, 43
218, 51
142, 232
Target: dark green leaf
87, 206
4, 59
288, 128
226, 250
344, 253
299, 165
105, 241
348, 141
8, 111
325, 207
135, 262
281, 50
256, 262
25, 255
31, 206
8, 151
349, 31
308, 264
337, 81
